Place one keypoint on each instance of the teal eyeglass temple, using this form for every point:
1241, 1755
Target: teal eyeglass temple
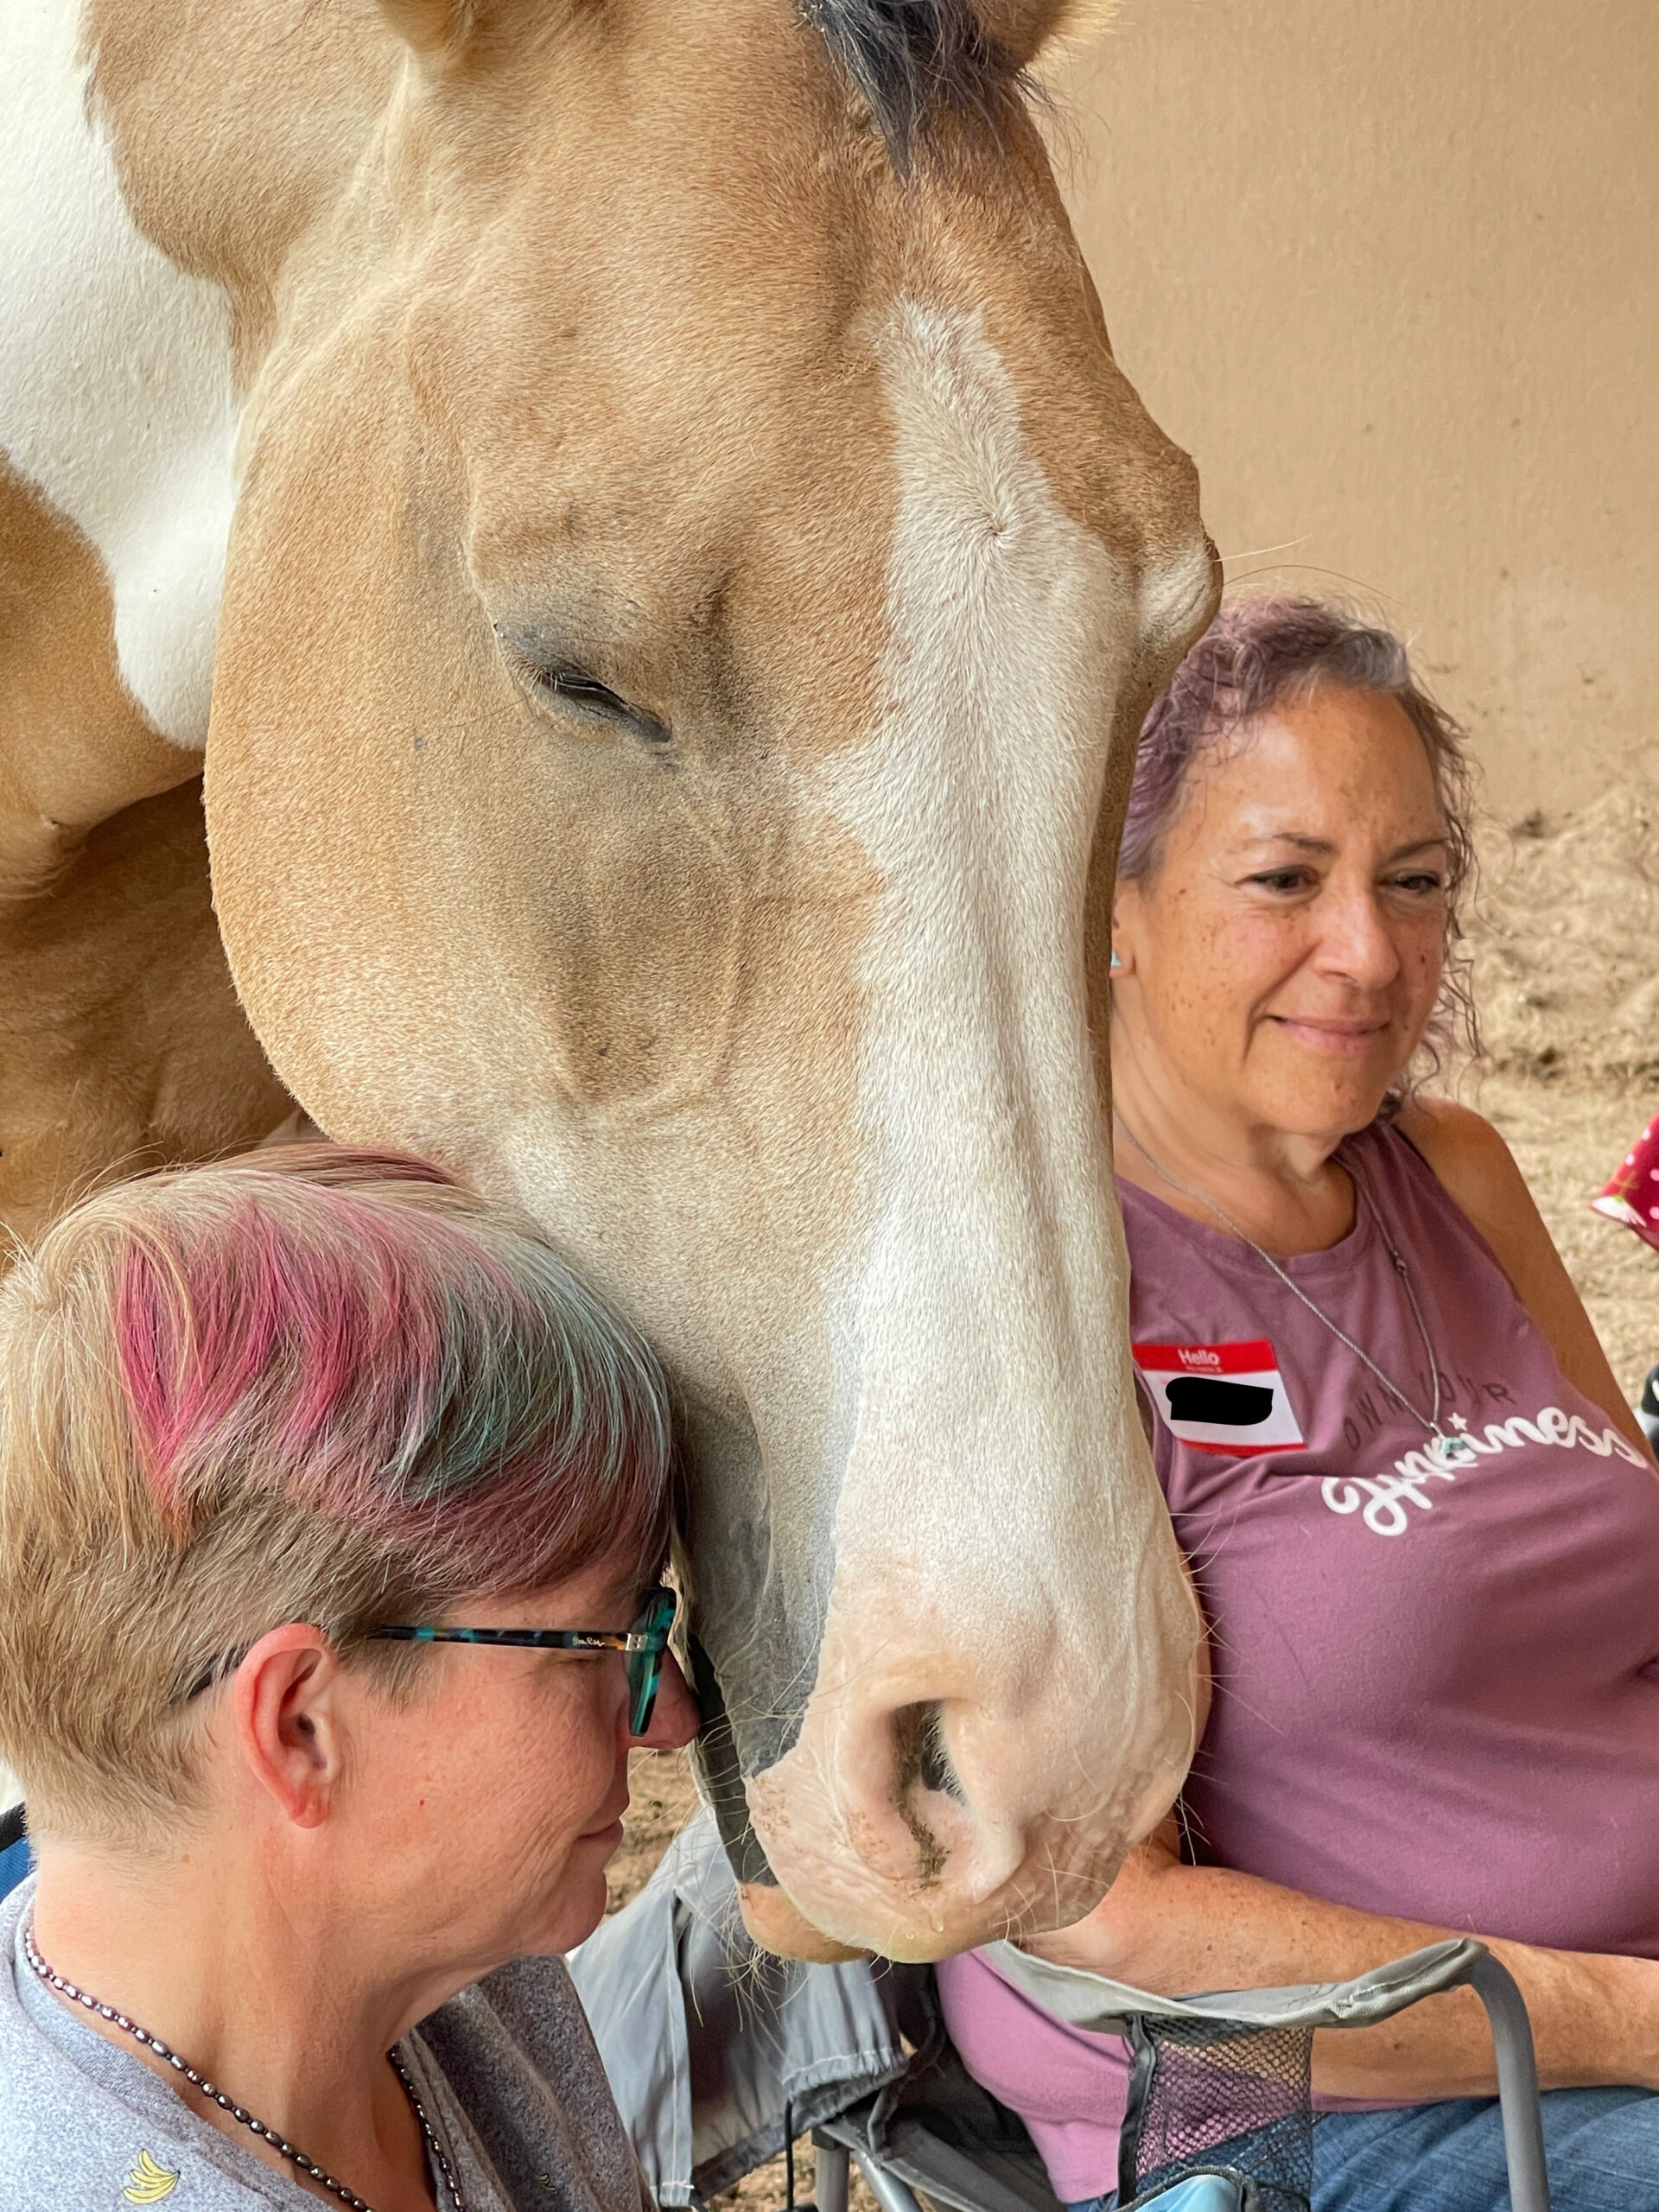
643, 1645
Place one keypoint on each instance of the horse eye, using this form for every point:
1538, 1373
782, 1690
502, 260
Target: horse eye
587, 693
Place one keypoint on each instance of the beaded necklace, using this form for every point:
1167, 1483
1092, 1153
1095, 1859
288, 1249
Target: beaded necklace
278, 2143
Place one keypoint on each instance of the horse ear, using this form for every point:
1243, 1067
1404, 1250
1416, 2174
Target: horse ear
1023, 27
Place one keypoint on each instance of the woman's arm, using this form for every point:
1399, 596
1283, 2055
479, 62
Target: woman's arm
1478, 1172
1173, 1929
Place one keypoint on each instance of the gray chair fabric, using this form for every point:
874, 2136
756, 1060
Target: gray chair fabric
714, 2049
1088, 2000
937, 2132
706, 2040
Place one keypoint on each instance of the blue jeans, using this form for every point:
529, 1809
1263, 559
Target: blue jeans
1602, 2147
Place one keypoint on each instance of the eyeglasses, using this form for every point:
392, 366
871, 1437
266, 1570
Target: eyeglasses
644, 1644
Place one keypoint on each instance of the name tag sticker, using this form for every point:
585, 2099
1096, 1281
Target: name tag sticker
1229, 1398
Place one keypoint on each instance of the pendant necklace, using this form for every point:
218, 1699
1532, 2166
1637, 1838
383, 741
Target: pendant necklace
1447, 1451
272, 2135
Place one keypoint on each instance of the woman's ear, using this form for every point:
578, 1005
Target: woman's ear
1023, 27
285, 1694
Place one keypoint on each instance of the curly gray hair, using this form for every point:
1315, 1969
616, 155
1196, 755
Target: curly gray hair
1260, 653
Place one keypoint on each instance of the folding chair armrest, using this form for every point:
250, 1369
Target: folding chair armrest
1091, 2001
1517, 2081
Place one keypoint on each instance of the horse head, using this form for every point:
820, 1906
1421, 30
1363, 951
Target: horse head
697, 576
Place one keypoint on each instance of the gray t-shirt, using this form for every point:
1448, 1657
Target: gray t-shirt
507, 2071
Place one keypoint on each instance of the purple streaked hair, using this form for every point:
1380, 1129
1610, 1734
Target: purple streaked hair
1266, 651
433, 1377
305, 1385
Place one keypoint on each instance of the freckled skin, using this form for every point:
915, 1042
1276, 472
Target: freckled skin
507, 1855
1279, 964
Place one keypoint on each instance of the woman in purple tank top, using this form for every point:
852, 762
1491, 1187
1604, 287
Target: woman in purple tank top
1423, 1524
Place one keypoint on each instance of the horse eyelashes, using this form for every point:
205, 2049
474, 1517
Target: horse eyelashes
587, 693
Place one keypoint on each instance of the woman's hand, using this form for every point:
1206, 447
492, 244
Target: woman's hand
1175, 1929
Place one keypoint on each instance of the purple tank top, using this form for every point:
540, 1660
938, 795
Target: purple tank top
1436, 1688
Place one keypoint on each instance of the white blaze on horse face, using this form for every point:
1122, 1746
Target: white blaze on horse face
1007, 1596
116, 397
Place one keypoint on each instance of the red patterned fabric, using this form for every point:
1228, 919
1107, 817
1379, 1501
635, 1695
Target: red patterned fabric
1632, 1192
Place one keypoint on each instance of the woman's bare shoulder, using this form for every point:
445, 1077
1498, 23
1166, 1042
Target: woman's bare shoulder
1477, 1172
1471, 1160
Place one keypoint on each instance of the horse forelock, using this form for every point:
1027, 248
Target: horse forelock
911, 61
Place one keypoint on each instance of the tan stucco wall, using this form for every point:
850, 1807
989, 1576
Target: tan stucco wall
1390, 269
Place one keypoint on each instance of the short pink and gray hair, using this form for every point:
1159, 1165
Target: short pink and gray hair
311, 1385
1266, 651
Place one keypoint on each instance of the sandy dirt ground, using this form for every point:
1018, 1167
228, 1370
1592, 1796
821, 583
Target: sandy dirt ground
1566, 980
1566, 962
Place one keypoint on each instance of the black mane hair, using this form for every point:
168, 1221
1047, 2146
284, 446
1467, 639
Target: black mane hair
910, 61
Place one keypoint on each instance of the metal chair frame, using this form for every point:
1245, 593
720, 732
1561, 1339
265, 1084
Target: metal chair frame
832, 2178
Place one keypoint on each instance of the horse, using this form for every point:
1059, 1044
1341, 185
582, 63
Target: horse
631, 512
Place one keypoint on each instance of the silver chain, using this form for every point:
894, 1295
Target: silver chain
1450, 1449
272, 2135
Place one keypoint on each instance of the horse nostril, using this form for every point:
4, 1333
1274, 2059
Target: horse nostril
918, 1741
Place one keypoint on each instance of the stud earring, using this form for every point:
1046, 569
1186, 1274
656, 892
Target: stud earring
1115, 962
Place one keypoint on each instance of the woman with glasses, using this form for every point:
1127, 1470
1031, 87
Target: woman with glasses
332, 1508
